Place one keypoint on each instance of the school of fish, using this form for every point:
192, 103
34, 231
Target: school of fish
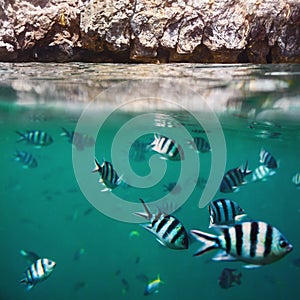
238, 236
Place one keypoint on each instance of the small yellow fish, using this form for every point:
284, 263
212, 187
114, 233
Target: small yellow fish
152, 286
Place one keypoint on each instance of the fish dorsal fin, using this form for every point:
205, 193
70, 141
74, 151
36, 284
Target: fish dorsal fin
146, 215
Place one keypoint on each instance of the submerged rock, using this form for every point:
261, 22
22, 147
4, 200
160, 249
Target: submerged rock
150, 30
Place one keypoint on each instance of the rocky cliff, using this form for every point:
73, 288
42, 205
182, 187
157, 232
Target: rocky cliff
228, 31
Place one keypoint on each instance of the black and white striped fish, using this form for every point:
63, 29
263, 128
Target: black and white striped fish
261, 173
108, 175
79, 140
296, 180
267, 159
27, 159
200, 144
234, 178
167, 147
168, 230
35, 137
224, 211
37, 272
255, 243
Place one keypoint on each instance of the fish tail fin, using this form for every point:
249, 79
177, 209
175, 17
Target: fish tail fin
65, 132
29, 285
238, 278
97, 166
159, 280
246, 171
22, 136
209, 241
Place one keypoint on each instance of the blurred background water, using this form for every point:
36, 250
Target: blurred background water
44, 210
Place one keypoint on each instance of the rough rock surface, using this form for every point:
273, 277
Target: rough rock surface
258, 31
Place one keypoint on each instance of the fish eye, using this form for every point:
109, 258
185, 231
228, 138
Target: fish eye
283, 243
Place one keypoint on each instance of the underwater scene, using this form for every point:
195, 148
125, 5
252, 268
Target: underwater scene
176, 181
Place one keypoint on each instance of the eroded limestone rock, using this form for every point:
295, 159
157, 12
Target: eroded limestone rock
257, 31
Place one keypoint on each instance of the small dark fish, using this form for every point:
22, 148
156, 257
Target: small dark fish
234, 178
169, 231
142, 277
27, 159
118, 272
200, 144
201, 182
137, 259
79, 285
255, 243
78, 253
167, 147
296, 262
229, 277
172, 188
88, 211
108, 175
267, 159
224, 212
125, 282
35, 137
37, 272
138, 151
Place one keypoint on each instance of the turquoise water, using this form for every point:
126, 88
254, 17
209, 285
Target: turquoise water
53, 209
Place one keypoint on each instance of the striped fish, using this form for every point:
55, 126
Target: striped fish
35, 137
268, 159
255, 243
234, 178
261, 173
296, 180
108, 176
167, 147
37, 272
79, 140
27, 159
168, 230
200, 144
224, 211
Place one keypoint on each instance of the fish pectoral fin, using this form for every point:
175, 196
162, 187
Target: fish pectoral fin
223, 256
252, 266
240, 218
146, 226
29, 286
161, 242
